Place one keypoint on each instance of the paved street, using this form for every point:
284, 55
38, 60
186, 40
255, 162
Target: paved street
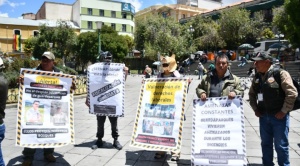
81, 153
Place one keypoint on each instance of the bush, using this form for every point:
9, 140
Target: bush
12, 78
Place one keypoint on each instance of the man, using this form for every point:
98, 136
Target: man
47, 64
33, 114
147, 72
200, 70
107, 57
271, 102
219, 82
211, 67
3, 98
60, 117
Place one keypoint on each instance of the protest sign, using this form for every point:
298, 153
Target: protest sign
45, 110
219, 132
106, 82
160, 114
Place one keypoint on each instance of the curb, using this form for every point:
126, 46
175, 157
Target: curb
15, 105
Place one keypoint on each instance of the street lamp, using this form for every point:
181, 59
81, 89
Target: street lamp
99, 26
191, 30
279, 35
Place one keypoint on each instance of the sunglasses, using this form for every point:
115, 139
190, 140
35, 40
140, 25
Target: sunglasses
165, 65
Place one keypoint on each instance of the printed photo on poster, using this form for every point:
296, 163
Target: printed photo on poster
59, 113
159, 111
158, 127
34, 112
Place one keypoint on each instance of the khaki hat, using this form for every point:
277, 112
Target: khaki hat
49, 55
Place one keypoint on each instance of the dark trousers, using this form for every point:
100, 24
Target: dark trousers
113, 124
29, 153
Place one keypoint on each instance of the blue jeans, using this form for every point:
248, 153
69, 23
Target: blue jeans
273, 130
2, 135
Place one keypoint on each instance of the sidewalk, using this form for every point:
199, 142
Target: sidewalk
81, 153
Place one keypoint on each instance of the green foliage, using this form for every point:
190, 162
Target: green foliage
130, 42
206, 34
234, 26
160, 35
115, 44
12, 71
29, 45
86, 48
292, 25
12, 78
67, 70
267, 33
63, 38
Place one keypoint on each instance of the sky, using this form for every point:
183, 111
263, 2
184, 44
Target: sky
15, 8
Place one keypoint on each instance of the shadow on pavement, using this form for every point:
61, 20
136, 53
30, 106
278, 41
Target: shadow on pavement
106, 145
38, 159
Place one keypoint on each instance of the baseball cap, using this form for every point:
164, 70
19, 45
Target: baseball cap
261, 56
49, 55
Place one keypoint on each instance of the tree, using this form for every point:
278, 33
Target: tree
234, 26
86, 48
159, 34
293, 12
130, 43
114, 43
206, 33
29, 45
62, 37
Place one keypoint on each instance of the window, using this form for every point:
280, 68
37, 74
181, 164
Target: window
90, 25
17, 32
36, 33
124, 15
113, 26
113, 14
183, 16
131, 17
132, 29
101, 12
90, 11
123, 27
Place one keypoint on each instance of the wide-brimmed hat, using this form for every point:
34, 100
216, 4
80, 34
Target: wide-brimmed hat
49, 55
172, 65
261, 56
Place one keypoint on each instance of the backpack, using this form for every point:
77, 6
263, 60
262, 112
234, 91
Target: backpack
276, 74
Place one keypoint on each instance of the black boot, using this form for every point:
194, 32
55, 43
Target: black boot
117, 144
98, 144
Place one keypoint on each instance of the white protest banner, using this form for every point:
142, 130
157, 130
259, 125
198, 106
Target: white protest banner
219, 132
45, 110
160, 114
106, 82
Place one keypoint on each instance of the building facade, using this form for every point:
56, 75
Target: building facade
206, 4
13, 33
176, 11
85, 13
118, 15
